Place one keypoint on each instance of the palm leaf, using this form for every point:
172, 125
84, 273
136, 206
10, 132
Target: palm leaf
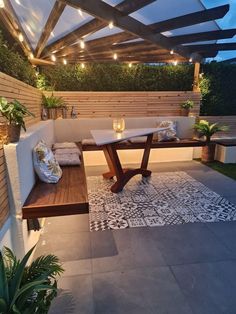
4, 293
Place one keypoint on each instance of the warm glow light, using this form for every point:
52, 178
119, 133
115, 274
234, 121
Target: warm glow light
65, 61
53, 58
201, 75
82, 65
130, 65
2, 4
115, 56
111, 25
172, 52
175, 62
80, 12
31, 56
20, 37
190, 60
82, 44
118, 125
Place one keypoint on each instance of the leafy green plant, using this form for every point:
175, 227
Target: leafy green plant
27, 289
14, 112
206, 129
52, 102
188, 104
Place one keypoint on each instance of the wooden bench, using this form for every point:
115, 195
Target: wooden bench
129, 145
67, 197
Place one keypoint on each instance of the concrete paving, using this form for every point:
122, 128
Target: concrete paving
177, 269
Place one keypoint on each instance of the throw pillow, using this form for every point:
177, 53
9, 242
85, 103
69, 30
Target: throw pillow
170, 133
45, 164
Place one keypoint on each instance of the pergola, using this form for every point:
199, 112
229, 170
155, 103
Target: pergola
80, 31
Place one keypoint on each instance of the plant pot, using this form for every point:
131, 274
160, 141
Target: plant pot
185, 112
13, 133
208, 152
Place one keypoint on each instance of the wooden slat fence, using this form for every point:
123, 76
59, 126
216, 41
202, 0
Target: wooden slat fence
223, 120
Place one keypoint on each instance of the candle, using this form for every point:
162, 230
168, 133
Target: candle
118, 125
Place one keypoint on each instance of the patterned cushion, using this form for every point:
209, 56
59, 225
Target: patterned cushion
169, 134
45, 164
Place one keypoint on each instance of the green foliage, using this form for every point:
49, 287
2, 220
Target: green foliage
27, 289
52, 101
188, 104
206, 129
118, 77
14, 112
218, 89
13, 64
42, 83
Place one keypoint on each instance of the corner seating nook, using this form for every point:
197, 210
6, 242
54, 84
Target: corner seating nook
34, 199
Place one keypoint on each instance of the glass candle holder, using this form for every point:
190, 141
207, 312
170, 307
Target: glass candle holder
119, 125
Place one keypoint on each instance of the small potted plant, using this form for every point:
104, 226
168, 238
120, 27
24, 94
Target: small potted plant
186, 106
55, 106
204, 128
15, 113
27, 289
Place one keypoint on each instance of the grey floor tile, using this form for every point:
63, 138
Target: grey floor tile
75, 296
209, 288
124, 249
226, 233
189, 243
66, 224
152, 290
68, 247
79, 267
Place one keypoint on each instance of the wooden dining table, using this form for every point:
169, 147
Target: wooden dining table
108, 140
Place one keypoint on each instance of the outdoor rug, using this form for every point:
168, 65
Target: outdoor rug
168, 198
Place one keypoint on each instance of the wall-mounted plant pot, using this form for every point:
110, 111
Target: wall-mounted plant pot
208, 152
13, 133
185, 112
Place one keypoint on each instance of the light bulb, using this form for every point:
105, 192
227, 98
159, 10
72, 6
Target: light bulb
82, 44
31, 56
175, 62
111, 25
82, 65
190, 60
20, 37
172, 52
64, 61
130, 65
115, 56
53, 58
2, 4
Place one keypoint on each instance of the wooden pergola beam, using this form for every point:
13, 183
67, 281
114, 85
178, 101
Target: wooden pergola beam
191, 19
52, 20
108, 13
149, 59
204, 36
95, 25
209, 48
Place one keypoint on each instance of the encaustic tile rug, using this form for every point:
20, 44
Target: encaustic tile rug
162, 199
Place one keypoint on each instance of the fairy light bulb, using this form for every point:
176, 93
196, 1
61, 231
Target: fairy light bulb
115, 56
2, 4
64, 61
20, 37
111, 25
82, 44
82, 65
53, 58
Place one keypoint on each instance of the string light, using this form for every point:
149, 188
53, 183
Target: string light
2, 4
190, 60
130, 65
175, 62
53, 58
82, 65
64, 61
172, 52
111, 25
20, 37
115, 56
31, 56
82, 44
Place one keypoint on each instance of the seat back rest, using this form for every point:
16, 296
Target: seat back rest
19, 162
79, 129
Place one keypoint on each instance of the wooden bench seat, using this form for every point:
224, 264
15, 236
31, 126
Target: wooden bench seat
226, 142
129, 145
67, 197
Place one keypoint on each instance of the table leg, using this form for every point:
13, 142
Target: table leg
124, 175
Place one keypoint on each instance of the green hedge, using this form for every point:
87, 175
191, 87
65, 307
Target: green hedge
117, 77
15, 65
218, 87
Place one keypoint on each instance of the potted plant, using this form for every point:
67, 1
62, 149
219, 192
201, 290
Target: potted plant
204, 128
15, 113
186, 106
55, 106
27, 289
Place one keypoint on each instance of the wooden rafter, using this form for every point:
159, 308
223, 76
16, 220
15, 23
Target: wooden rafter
204, 36
95, 25
108, 13
10, 19
208, 48
52, 20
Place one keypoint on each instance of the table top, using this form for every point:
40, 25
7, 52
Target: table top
108, 136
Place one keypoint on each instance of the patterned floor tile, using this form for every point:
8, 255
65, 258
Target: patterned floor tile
162, 199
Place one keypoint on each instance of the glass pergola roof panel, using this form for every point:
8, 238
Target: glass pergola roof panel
33, 15
70, 19
106, 31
